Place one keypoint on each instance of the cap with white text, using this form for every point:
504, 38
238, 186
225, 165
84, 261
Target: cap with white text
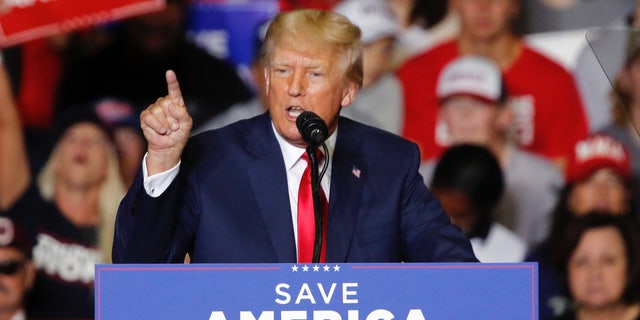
595, 152
374, 18
474, 76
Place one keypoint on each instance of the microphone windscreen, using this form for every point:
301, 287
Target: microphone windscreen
312, 128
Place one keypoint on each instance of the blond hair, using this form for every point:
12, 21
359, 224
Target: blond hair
328, 29
111, 192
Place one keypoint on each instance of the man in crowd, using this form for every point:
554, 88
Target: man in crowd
548, 114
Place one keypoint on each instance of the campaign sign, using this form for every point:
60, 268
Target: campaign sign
412, 291
230, 29
23, 20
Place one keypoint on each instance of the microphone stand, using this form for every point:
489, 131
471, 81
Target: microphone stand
315, 192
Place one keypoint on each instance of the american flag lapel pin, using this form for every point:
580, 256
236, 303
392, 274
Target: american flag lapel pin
355, 171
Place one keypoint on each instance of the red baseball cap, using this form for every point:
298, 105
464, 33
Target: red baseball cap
595, 152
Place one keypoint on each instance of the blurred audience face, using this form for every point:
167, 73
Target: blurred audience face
604, 190
456, 204
485, 19
16, 278
633, 73
156, 33
597, 269
631, 83
376, 58
82, 155
472, 120
402, 10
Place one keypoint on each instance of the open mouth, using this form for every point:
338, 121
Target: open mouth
294, 111
80, 159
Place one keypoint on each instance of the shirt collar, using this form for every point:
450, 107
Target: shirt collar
292, 153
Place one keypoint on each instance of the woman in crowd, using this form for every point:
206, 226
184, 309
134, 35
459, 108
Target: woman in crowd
68, 210
598, 177
599, 258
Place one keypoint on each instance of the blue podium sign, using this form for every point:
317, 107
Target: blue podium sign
413, 291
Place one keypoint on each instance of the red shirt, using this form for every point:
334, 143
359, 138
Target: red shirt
548, 113
286, 5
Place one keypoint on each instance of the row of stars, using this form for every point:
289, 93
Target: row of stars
315, 268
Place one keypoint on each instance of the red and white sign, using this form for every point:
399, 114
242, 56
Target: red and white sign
23, 20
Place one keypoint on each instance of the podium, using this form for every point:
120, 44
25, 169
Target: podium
413, 291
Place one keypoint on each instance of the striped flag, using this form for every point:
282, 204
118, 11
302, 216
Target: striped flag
355, 171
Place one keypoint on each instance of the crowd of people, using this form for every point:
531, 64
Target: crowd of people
130, 143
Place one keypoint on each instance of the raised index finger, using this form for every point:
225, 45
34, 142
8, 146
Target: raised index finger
173, 87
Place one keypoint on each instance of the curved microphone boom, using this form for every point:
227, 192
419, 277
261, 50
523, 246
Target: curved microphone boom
312, 128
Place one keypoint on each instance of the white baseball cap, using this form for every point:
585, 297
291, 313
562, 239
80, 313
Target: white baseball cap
374, 18
473, 76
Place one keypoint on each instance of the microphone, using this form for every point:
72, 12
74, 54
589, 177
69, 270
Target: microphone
314, 131
312, 128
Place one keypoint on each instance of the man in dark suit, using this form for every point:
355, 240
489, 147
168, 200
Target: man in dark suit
231, 195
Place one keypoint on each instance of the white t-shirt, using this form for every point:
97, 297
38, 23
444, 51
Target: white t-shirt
500, 245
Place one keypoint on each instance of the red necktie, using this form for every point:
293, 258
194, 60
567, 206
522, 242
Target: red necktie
306, 220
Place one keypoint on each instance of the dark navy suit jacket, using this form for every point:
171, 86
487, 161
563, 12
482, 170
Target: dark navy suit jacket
230, 204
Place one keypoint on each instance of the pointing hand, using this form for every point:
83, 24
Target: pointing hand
166, 125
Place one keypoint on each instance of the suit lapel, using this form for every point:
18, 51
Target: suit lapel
348, 177
269, 184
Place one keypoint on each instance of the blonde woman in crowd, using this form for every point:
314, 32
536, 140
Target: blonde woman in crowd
68, 210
